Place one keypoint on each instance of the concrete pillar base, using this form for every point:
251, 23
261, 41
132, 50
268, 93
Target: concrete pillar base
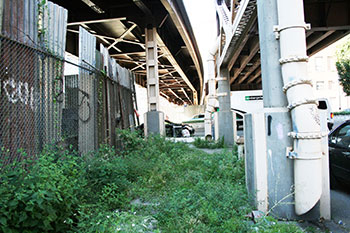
270, 174
226, 127
281, 169
154, 123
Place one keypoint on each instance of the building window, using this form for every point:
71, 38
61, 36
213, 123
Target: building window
319, 85
319, 64
330, 63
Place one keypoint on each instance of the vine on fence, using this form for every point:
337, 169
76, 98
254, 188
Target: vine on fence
42, 31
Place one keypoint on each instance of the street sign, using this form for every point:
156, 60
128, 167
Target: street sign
253, 97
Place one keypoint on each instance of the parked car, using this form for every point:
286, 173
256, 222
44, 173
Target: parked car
323, 105
173, 129
198, 118
339, 155
178, 130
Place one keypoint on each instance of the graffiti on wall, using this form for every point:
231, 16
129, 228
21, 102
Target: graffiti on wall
18, 92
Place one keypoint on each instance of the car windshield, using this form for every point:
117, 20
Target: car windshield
341, 137
198, 116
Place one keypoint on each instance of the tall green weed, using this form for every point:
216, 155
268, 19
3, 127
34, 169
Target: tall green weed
40, 195
202, 143
178, 189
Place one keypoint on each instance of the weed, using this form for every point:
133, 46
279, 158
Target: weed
42, 198
178, 189
200, 143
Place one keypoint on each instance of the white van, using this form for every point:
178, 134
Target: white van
323, 105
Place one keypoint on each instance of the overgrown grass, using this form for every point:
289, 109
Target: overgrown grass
152, 185
201, 143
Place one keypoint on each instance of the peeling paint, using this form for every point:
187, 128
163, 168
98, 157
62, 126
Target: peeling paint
315, 115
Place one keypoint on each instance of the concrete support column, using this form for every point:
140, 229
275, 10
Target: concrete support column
211, 101
277, 118
152, 69
154, 119
225, 116
277, 123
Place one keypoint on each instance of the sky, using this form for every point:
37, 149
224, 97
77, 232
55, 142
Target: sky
202, 17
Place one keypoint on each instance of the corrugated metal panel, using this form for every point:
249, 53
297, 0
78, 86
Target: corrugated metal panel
53, 39
19, 20
54, 27
1, 13
114, 68
87, 93
110, 65
124, 76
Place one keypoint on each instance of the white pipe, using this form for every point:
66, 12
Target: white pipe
211, 92
304, 112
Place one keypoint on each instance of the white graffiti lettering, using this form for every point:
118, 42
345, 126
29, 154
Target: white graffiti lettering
11, 96
23, 97
19, 92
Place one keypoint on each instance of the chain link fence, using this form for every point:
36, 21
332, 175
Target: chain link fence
30, 98
39, 105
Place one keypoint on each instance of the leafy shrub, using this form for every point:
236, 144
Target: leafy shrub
182, 190
40, 195
106, 177
131, 141
342, 113
200, 143
95, 219
343, 66
210, 196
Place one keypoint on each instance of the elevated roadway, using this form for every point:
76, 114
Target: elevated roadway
120, 26
239, 35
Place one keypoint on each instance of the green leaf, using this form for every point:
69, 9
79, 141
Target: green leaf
3, 221
13, 203
22, 217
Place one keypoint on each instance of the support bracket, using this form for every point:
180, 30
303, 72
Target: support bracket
295, 83
277, 28
291, 154
302, 102
307, 135
294, 59
221, 94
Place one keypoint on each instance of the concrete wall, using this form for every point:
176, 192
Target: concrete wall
172, 112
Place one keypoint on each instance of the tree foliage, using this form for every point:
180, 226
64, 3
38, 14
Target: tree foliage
343, 65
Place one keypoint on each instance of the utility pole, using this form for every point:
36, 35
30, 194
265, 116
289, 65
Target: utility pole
273, 171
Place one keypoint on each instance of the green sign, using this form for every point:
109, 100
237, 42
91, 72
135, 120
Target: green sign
253, 97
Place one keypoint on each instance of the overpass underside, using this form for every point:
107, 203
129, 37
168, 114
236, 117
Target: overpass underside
120, 26
239, 36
